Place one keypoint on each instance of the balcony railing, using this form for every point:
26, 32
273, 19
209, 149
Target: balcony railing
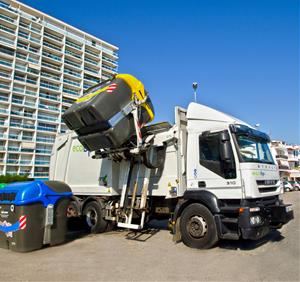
50, 86
5, 63
44, 117
90, 70
13, 149
92, 53
52, 46
48, 107
4, 86
50, 97
40, 162
53, 36
73, 64
8, 41
74, 45
52, 76
51, 66
49, 55
44, 128
45, 139
91, 62
25, 162
72, 92
68, 52
7, 29
41, 174
72, 73
22, 125
12, 161
7, 18
5, 99
43, 151
72, 82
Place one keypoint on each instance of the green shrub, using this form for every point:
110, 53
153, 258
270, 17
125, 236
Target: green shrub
9, 178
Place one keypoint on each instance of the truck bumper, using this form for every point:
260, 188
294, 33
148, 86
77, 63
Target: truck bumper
271, 217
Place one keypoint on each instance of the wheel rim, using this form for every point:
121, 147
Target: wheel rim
197, 227
91, 217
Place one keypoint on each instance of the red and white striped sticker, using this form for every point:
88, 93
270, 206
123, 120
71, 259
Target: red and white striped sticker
22, 221
111, 87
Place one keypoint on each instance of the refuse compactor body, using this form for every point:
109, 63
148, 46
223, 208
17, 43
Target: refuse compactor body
102, 118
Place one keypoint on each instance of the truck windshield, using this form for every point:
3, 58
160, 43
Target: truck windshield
254, 150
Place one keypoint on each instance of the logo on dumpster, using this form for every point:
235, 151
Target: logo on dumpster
9, 228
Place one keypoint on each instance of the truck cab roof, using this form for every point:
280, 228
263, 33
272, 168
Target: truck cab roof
197, 111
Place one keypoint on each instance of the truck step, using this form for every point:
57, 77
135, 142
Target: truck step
229, 209
129, 225
229, 220
230, 236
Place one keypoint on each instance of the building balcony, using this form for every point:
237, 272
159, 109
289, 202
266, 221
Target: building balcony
48, 118
23, 114
50, 86
2, 148
22, 125
52, 47
7, 29
49, 140
4, 99
43, 151
24, 92
7, 19
70, 63
52, 56
23, 103
5, 63
48, 107
41, 174
45, 128
73, 45
57, 39
42, 163
49, 97
51, 67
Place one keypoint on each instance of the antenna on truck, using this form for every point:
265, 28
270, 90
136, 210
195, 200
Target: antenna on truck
195, 86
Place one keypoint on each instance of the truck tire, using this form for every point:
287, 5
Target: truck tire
198, 228
94, 217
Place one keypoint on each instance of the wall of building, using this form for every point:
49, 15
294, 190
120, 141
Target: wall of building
45, 65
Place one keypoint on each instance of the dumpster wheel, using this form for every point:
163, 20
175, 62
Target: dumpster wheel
94, 217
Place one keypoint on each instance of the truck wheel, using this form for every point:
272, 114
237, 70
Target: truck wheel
94, 217
198, 227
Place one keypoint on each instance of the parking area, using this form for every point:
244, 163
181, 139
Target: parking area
152, 256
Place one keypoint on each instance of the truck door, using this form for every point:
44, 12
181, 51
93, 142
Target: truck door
215, 166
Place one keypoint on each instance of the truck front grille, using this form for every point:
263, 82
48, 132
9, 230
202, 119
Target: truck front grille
266, 182
267, 189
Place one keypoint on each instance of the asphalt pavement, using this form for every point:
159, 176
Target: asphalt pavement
152, 256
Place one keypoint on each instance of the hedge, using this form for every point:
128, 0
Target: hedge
8, 178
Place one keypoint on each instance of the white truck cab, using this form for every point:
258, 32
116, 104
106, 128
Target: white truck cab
210, 174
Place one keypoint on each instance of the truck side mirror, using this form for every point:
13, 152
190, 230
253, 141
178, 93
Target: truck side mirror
226, 155
225, 147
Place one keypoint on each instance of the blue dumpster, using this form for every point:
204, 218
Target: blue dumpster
33, 214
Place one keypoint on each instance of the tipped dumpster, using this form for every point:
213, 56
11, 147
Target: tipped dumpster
102, 118
33, 214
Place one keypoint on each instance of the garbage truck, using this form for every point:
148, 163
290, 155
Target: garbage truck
210, 174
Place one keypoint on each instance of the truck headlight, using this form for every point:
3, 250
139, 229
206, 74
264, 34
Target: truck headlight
255, 220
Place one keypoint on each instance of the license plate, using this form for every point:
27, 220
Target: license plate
288, 208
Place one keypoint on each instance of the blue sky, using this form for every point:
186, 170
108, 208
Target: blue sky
243, 53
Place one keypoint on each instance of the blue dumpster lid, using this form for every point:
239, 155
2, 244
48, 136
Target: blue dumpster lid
24, 193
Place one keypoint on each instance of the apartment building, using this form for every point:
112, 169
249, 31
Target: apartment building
287, 158
45, 65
